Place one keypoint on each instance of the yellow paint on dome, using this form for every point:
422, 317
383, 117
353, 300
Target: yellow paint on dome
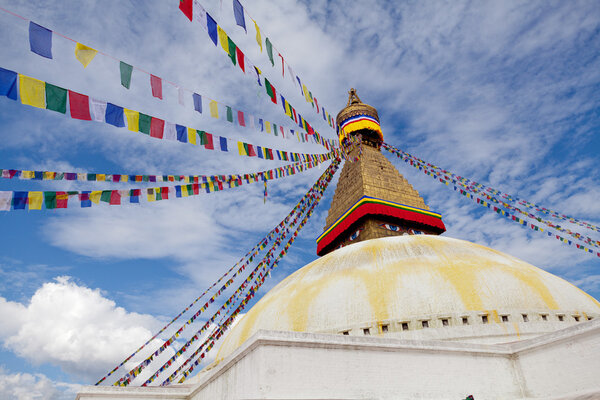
368, 281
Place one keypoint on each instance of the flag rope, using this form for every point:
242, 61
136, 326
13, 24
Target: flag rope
247, 120
298, 210
446, 177
138, 122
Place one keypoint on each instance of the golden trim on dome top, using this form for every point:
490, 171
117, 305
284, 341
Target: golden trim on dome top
355, 107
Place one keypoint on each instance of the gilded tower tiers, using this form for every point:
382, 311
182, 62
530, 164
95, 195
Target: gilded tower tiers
372, 199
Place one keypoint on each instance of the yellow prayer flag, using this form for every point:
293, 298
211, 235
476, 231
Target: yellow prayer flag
184, 191
288, 109
100, 177
95, 196
28, 175
35, 200
306, 95
84, 54
241, 149
223, 38
258, 37
133, 120
192, 134
268, 126
124, 178
214, 109
48, 176
33, 91
151, 195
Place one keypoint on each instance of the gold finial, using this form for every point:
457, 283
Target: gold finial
353, 97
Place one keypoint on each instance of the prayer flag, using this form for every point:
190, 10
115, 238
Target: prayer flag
199, 14
157, 127
35, 200
251, 151
8, 83
187, 8
197, 102
181, 96
84, 198
242, 149
126, 71
223, 142
95, 196
192, 136
56, 98
144, 123
133, 120
106, 195
156, 84
270, 50
170, 131
241, 120
268, 126
259, 152
223, 39
40, 40
211, 26
240, 59
98, 109
209, 141
114, 115
33, 91
50, 200
271, 91
115, 197
5, 200
214, 109
238, 12
84, 54
231, 50
79, 105
229, 114
258, 37
19, 200
181, 133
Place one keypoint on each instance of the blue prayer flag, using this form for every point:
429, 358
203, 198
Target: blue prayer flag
238, 12
40, 40
19, 200
211, 24
8, 83
181, 133
85, 199
197, 102
38, 175
114, 115
259, 152
177, 190
223, 144
262, 124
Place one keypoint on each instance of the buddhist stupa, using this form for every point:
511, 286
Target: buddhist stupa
394, 310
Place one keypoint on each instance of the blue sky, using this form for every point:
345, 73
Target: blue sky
505, 93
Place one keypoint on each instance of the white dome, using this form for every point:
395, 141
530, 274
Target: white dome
390, 286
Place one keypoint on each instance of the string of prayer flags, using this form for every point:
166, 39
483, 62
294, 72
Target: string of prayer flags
281, 227
40, 40
84, 54
33, 92
445, 177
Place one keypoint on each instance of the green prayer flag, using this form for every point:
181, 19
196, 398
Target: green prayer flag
105, 197
270, 50
269, 88
190, 189
126, 71
229, 114
91, 177
50, 200
275, 130
145, 121
56, 98
232, 50
202, 136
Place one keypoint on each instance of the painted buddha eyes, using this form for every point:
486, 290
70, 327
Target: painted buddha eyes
355, 235
390, 227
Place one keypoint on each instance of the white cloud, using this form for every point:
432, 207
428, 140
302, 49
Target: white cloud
73, 327
25, 386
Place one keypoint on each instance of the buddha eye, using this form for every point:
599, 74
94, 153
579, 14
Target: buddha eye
393, 228
415, 232
355, 235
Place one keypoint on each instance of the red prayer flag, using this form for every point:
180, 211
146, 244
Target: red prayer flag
251, 151
79, 105
270, 153
196, 188
157, 127
316, 104
156, 84
116, 178
209, 142
115, 197
241, 119
240, 59
187, 7
295, 116
62, 198
164, 191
